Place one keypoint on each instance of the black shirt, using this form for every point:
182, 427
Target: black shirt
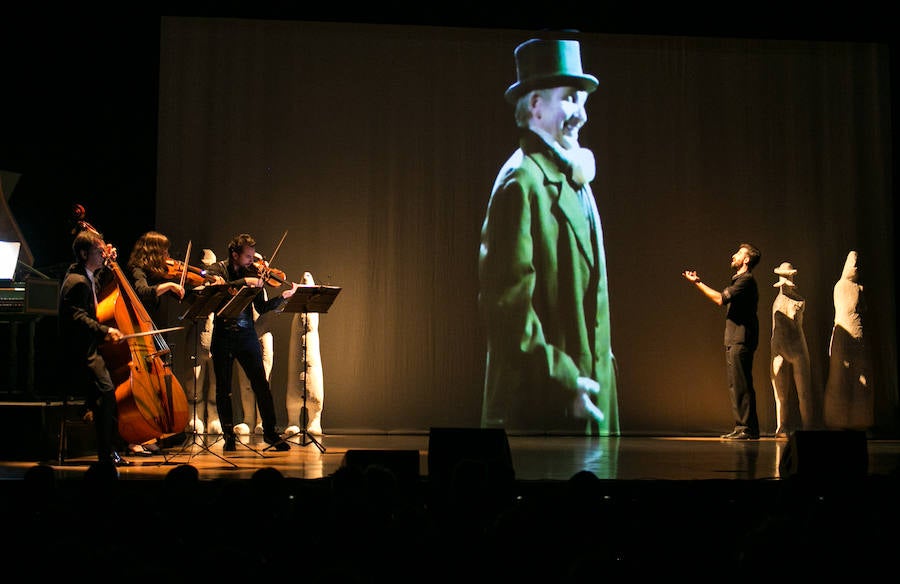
741, 321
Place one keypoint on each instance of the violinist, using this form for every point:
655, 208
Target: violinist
148, 270
236, 339
149, 275
80, 335
252, 421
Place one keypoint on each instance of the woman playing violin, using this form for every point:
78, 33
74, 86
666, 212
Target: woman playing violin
148, 270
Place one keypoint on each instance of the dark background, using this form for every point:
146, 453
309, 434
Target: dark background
80, 124
80, 87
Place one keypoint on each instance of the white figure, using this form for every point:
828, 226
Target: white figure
305, 371
849, 401
797, 405
205, 377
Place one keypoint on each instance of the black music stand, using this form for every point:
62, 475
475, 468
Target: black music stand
306, 299
207, 299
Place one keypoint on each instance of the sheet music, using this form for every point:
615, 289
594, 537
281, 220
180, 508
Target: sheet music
9, 259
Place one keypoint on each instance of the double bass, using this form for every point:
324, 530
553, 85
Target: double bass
151, 401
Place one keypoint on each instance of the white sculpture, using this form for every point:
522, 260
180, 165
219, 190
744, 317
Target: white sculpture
797, 404
306, 374
849, 401
204, 376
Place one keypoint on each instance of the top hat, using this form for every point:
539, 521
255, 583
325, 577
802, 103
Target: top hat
785, 272
548, 63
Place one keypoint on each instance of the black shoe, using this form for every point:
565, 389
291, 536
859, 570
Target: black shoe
152, 448
138, 450
744, 435
730, 435
275, 441
229, 445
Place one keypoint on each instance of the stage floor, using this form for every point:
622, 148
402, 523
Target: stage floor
534, 458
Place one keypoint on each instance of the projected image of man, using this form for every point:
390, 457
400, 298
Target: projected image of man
542, 265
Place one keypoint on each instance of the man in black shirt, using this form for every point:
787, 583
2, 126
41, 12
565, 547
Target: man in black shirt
741, 337
236, 339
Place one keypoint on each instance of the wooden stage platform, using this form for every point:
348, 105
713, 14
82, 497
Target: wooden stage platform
534, 458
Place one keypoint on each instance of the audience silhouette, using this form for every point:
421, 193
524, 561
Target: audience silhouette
360, 525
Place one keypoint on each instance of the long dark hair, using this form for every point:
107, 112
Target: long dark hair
150, 253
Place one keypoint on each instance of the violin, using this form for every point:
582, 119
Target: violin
272, 276
195, 276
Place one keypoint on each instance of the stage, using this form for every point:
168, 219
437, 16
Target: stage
534, 458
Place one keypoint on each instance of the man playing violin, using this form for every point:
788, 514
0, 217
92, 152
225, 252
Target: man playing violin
80, 336
236, 339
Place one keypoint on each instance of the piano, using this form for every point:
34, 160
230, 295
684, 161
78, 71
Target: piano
36, 295
26, 295
31, 297
12, 296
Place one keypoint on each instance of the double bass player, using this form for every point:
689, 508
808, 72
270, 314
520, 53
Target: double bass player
80, 335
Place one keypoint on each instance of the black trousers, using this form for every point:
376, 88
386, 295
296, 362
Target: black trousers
739, 367
100, 398
240, 343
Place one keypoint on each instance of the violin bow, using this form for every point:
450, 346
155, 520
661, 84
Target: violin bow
277, 247
184, 268
153, 332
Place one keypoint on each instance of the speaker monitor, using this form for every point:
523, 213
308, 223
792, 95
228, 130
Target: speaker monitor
31, 432
825, 453
448, 447
41, 296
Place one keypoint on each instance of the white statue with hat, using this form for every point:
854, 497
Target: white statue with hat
797, 403
207, 420
849, 401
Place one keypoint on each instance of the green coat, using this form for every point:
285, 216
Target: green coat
543, 297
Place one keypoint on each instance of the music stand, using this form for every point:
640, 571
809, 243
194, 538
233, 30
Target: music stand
306, 299
207, 299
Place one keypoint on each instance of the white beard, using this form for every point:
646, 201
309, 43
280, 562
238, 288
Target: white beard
584, 167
